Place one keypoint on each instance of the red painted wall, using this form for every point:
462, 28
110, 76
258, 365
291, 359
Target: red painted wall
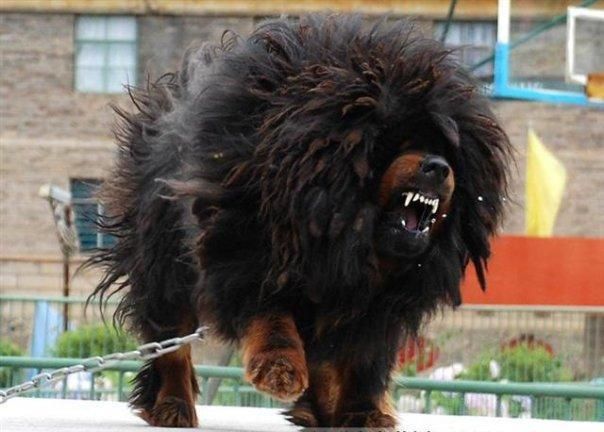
541, 271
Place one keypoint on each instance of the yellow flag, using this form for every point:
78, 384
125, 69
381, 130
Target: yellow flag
545, 181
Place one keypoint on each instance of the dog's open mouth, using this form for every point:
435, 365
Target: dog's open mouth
419, 211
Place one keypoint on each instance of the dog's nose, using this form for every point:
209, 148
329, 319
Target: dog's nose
435, 167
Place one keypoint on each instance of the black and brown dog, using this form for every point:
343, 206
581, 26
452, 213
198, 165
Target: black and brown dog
312, 192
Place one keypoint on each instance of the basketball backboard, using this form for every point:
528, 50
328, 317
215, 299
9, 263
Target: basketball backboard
546, 50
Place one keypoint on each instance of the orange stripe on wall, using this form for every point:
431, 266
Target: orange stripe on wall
541, 271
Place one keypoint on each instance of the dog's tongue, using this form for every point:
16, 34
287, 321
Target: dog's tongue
410, 217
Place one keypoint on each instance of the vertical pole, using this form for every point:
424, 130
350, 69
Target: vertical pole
120, 386
452, 5
237, 393
503, 21
38, 390
498, 406
92, 387
64, 389
567, 409
214, 383
65, 291
205, 387
570, 44
428, 402
502, 48
462, 406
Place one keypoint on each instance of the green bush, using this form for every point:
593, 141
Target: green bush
521, 363
7, 349
92, 340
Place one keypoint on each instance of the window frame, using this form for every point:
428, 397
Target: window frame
102, 240
106, 44
464, 47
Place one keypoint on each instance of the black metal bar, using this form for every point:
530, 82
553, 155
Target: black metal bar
450, 14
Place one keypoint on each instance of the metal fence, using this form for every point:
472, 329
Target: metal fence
536, 400
495, 345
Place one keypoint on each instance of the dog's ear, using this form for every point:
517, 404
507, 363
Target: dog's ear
481, 191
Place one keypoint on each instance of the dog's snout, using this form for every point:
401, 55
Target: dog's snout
435, 167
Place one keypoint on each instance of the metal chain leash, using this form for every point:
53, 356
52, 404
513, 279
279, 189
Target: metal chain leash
144, 352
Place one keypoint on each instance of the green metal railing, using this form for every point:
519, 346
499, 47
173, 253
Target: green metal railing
569, 340
471, 335
239, 394
566, 393
233, 391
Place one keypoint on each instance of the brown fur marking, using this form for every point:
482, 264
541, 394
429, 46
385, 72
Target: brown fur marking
303, 413
273, 356
175, 404
354, 411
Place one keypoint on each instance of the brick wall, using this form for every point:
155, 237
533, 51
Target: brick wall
36, 84
49, 133
164, 39
576, 136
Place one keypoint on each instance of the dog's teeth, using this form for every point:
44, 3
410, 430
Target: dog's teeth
421, 199
434, 205
432, 220
425, 229
403, 223
416, 197
408, 199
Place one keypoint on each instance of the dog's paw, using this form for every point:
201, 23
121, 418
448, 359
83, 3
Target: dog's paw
171, 412
282, 374
302, 414
369, 419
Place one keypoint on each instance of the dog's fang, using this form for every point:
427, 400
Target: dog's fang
435, 206
408, 199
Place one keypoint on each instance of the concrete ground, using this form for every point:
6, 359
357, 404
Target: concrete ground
52, 415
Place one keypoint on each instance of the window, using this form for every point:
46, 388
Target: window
86, 211
105, 53
472, 41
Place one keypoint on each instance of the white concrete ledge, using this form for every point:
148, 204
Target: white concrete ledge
52, 415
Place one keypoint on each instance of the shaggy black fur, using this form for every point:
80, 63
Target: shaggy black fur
247, 184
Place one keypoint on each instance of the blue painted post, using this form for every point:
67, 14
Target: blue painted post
502, 60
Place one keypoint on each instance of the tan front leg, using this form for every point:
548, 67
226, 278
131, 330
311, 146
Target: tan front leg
273, 357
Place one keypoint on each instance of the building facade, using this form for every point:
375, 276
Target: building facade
63, 66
